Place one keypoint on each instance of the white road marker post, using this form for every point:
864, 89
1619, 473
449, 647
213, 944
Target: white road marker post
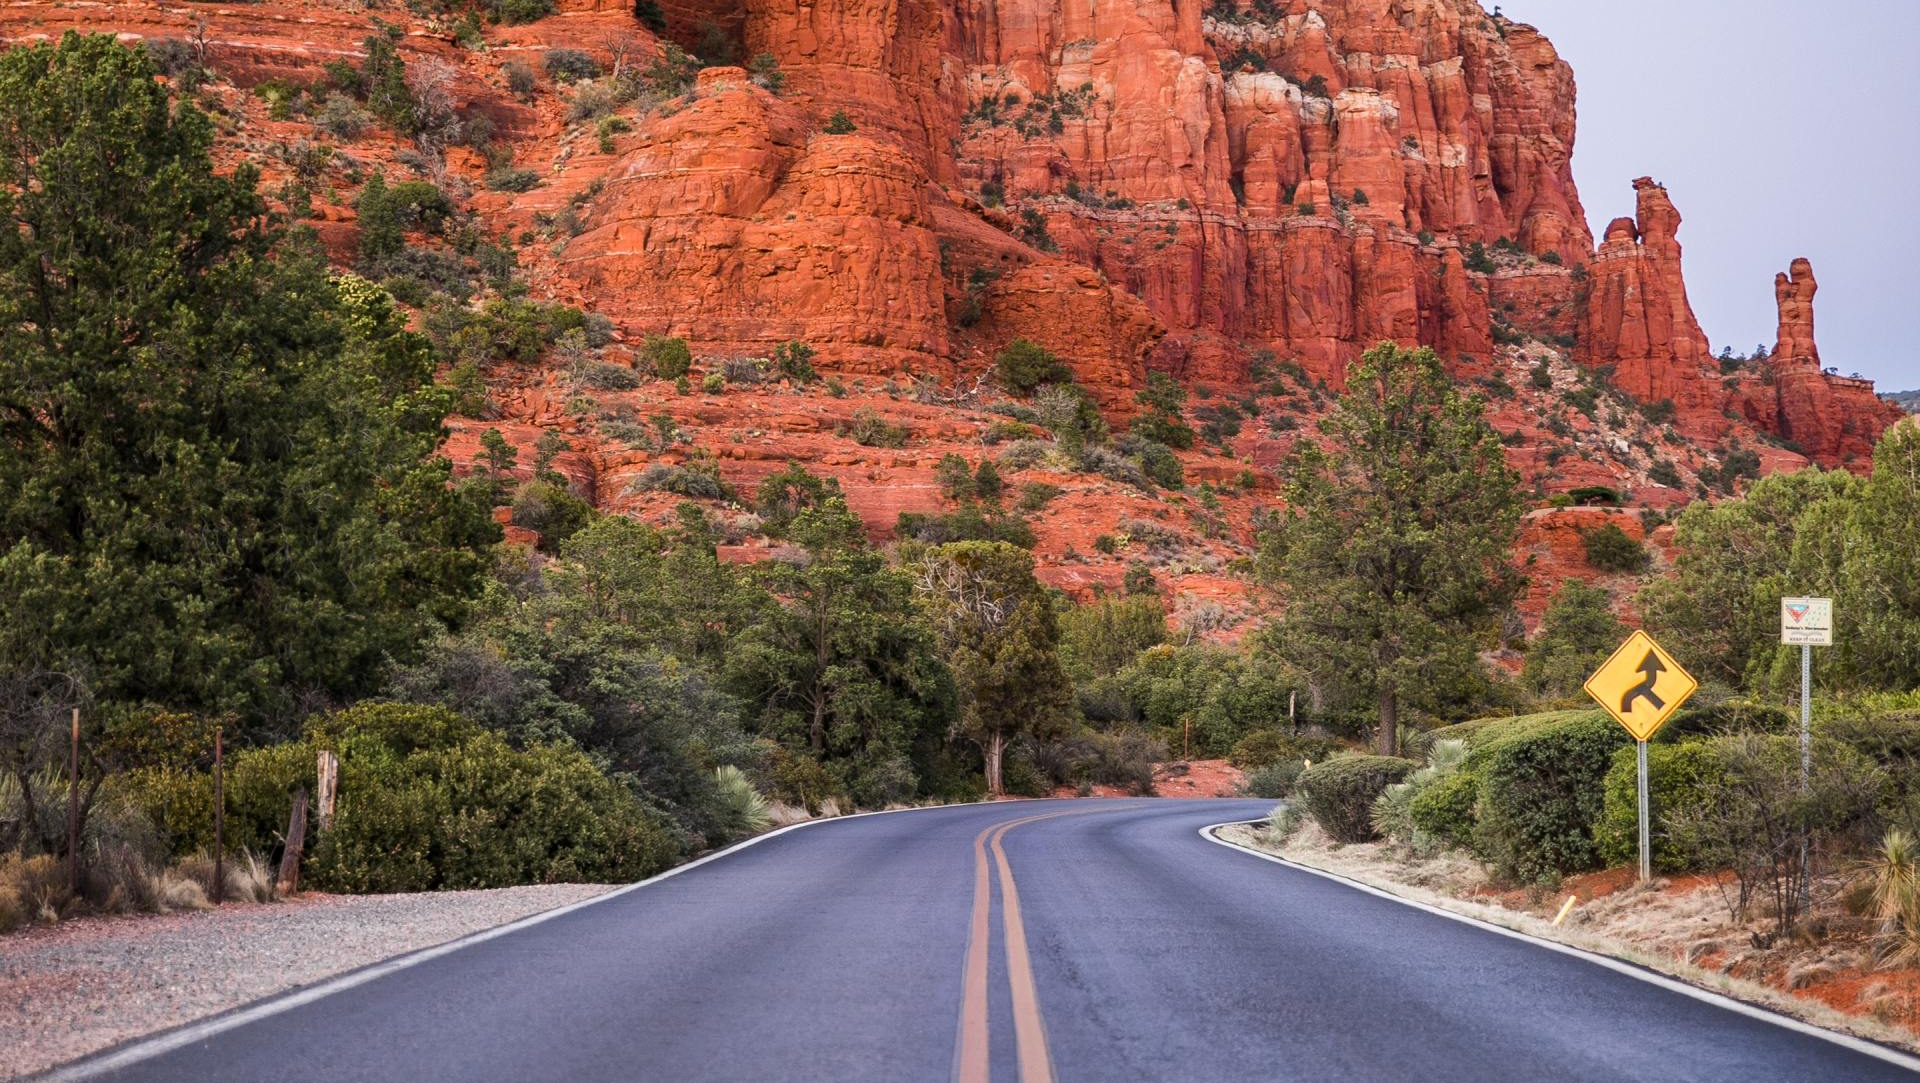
1808, 623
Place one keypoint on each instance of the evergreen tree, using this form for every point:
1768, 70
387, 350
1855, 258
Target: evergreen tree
218, 482
1578, 632
1395, 545
1161, 420
1719, 612
844, 667
1105, 636
997, 627
1863, 549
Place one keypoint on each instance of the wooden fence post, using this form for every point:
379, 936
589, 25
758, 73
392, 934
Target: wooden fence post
329, 775
296, 844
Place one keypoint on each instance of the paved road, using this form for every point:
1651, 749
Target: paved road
1036, 941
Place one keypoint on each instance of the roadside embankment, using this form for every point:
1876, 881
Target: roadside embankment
1676, 926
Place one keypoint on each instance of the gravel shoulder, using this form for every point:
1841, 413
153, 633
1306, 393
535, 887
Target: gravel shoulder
1656, 926
84, 985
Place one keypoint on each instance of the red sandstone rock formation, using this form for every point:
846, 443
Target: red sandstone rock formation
1135, 183
1836, 420
1637, 318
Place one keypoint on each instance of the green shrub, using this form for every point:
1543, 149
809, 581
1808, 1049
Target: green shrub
509, 179
698, 477
1679, 777
1124, 757
1339, 793
1890, 739
520, 80
602, 376
1612, 549
570, 65
794, 359
516, 12
713, 383
1024, 365
968, 523
552, 511
1274, 781
1540, 795
1445, 810
1728, 716
839, 124
872, 430
428, 801
669, 357
1263, 748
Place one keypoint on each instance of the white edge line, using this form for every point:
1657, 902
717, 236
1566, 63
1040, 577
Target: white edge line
97, 1065
1619, 966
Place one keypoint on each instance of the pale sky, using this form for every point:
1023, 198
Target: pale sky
1781, 128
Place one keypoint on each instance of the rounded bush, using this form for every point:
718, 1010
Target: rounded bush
1679, 776
1274, 781
427, 801
1541, 794
1339, 794
1445, 810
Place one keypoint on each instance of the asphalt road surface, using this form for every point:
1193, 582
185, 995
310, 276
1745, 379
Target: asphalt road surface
1031, 941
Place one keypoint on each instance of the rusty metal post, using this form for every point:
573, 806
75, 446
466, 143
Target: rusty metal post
73, 807
219, 822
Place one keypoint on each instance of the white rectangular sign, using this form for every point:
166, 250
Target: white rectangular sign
1806, 622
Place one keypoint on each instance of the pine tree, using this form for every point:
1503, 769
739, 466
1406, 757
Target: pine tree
843, 666
1395, 546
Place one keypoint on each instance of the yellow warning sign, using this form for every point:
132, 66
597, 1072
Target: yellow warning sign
1641, 685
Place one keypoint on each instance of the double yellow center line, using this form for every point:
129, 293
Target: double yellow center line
1030, 1035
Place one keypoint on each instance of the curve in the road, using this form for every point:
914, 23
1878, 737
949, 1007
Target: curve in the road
862, 949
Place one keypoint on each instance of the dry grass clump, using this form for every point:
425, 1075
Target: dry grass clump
248, 879
119, 880
781, 814
31, 889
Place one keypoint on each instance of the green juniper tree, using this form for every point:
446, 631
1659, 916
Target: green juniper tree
843, 667
997, 627
1719, 610
1578, 632
219, 482
1395, 546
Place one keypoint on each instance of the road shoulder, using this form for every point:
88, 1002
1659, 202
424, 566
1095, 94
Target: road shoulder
1365, 873
88, 984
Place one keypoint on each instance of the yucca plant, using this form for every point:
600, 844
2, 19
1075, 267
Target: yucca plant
1393, 809
1893, 878
750, 810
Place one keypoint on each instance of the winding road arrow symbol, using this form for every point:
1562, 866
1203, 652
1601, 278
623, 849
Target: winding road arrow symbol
1653, 668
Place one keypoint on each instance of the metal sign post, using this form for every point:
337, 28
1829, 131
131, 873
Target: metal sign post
1641, 686
1808, 623
1646, 844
